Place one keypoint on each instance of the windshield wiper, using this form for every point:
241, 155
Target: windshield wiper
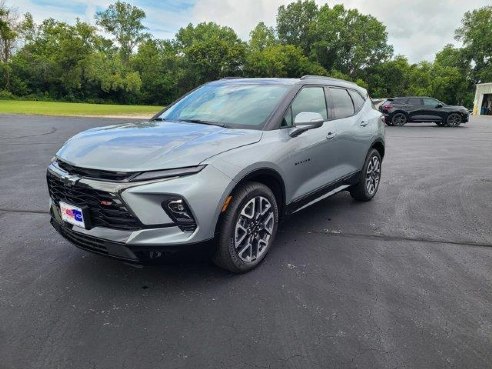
199, 121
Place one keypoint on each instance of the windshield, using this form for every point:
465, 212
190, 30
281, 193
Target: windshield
230, 105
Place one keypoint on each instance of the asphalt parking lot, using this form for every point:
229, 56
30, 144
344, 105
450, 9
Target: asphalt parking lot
402, 281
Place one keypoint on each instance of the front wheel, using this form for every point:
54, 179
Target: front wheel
370, 177
248, 228
453, 120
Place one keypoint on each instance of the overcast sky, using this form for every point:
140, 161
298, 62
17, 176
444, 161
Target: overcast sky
416, 28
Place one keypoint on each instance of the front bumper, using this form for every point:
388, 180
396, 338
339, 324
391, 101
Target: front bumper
204, 192
121, 251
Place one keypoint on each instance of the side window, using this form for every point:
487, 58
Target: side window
342, 103
310, 99
415, 101
357, 99
430, 102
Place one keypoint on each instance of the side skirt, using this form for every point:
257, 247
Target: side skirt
322, 193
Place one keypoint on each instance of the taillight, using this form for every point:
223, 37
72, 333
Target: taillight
387, 106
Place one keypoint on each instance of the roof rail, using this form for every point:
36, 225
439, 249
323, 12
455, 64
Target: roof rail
328, 78
312, 76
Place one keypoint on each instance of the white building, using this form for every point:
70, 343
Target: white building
482, 104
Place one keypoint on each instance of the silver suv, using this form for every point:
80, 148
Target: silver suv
224, 163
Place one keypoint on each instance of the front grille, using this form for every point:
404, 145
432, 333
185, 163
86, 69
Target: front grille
112, 215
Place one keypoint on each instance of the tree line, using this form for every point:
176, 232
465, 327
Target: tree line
117, 60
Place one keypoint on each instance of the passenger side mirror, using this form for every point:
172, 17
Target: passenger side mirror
439, 106
305, 121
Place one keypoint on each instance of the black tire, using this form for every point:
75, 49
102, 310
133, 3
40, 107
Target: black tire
439, 124
362, 191
453, 120
399, 119
227, 254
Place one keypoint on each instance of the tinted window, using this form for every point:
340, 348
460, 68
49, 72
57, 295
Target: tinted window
414, 101
430, 102
236, 105
309, 99
342, 103
357, 99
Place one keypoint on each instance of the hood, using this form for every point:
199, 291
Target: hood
456, 107
151, 145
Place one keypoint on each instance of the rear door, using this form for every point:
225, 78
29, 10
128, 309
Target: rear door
353, 130
415, 108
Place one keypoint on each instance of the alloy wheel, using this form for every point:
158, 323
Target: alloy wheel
254, 228
399, 119
453, 120
373, 175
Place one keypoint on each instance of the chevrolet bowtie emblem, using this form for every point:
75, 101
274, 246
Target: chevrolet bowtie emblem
70, 180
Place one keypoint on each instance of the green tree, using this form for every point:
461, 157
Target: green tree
389, 79
124, 22
476, 35
158, 64
295, 23
261, 37
209, 52
339, 39
280, 61
348, 41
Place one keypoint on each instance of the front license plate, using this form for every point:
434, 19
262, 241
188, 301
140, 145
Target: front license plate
72, 214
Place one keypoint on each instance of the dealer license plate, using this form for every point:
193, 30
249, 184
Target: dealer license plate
72, 214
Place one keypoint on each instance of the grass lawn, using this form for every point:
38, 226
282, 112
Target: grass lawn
75, 109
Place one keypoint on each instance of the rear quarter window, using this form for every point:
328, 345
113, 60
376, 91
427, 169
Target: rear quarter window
357, 99
343, 106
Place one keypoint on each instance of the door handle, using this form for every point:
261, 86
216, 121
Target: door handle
364, 123
330, 135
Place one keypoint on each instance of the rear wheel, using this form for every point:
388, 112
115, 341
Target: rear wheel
399, 119
248, 228
453, 120
369, 179
440, 124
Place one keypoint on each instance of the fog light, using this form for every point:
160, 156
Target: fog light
179, 212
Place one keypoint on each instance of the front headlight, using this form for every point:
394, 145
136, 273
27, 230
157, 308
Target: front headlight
167, 173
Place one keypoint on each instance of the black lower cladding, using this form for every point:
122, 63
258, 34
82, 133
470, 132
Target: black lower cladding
105, 209
296, 204
96, 245
133, 254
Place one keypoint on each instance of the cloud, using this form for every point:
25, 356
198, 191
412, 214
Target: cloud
416, 29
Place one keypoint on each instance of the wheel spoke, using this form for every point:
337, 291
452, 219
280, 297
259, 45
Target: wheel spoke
249, 210
249, 245
268, 223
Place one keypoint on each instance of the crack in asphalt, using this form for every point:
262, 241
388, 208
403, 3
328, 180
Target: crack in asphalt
384, 237
374, 236
24, 211
29, 143
53, 130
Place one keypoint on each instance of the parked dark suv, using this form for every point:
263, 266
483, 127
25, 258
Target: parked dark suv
401, 110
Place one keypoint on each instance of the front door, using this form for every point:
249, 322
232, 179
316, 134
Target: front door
431, 111
310, 164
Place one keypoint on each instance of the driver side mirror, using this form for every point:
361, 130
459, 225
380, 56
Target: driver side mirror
305, 121
439, 106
